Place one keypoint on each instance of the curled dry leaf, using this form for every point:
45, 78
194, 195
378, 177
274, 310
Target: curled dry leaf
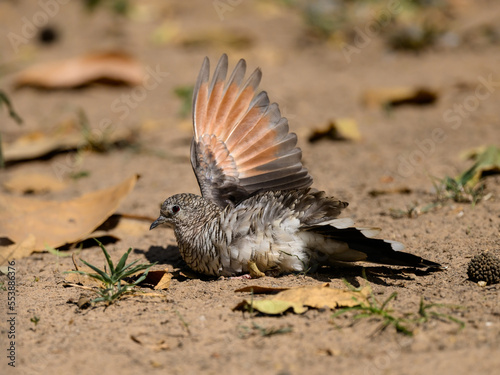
55, 223
119, 226
486, 162
320, 296
157, 279
33, 183
338, 130
256, 289
160, 279
68, 136
270, 306
37, 144
18, 250
300, 298
396, 190
219, 38
395, 96
111, 67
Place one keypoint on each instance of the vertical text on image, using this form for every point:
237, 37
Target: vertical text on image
11, 313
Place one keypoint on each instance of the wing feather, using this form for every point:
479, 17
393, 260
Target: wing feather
241, 143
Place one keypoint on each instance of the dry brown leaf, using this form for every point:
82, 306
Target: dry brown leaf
300, 298
164, 282
394, 96
338, 130
112, 67
320, 296
18, 250
65, 137
256, 289
36, 144
148, 340
189, 274
160, 279
396, 190
270, 306
118, 226
216, 38
34, 183
386, 179
57, 223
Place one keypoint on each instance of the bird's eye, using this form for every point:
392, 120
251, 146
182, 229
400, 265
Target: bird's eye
175, 209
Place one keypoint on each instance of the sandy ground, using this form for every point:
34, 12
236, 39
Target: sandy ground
193, 329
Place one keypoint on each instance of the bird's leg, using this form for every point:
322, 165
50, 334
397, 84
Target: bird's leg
246, 276
254, 271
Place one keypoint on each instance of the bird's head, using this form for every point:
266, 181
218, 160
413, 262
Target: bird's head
183, 209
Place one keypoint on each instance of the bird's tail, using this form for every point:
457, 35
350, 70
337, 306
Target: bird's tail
357, 244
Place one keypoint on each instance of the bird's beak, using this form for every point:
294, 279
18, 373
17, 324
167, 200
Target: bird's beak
161, 219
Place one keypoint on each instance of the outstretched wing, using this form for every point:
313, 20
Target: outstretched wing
241, 144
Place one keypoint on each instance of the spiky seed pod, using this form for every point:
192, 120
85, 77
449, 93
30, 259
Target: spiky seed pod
484, 267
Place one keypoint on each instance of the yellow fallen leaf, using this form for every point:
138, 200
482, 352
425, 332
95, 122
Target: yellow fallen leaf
56, 223
164, 282
34, 183
300, 298
340, 129
347, 128
487, 162
320, 296
270, 306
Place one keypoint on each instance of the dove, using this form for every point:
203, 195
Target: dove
257, 207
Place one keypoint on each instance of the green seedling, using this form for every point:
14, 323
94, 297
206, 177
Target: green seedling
184, 93
378, 310
425, 314
458, 189
262, 331
114, 286
403, 323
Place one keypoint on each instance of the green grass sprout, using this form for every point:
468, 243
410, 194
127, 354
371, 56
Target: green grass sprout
114, 286
403, 323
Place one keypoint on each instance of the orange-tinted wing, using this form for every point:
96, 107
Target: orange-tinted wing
241, 144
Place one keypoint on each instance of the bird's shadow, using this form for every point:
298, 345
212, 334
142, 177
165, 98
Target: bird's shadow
379, 275
170, 256
374, 274
163, 255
